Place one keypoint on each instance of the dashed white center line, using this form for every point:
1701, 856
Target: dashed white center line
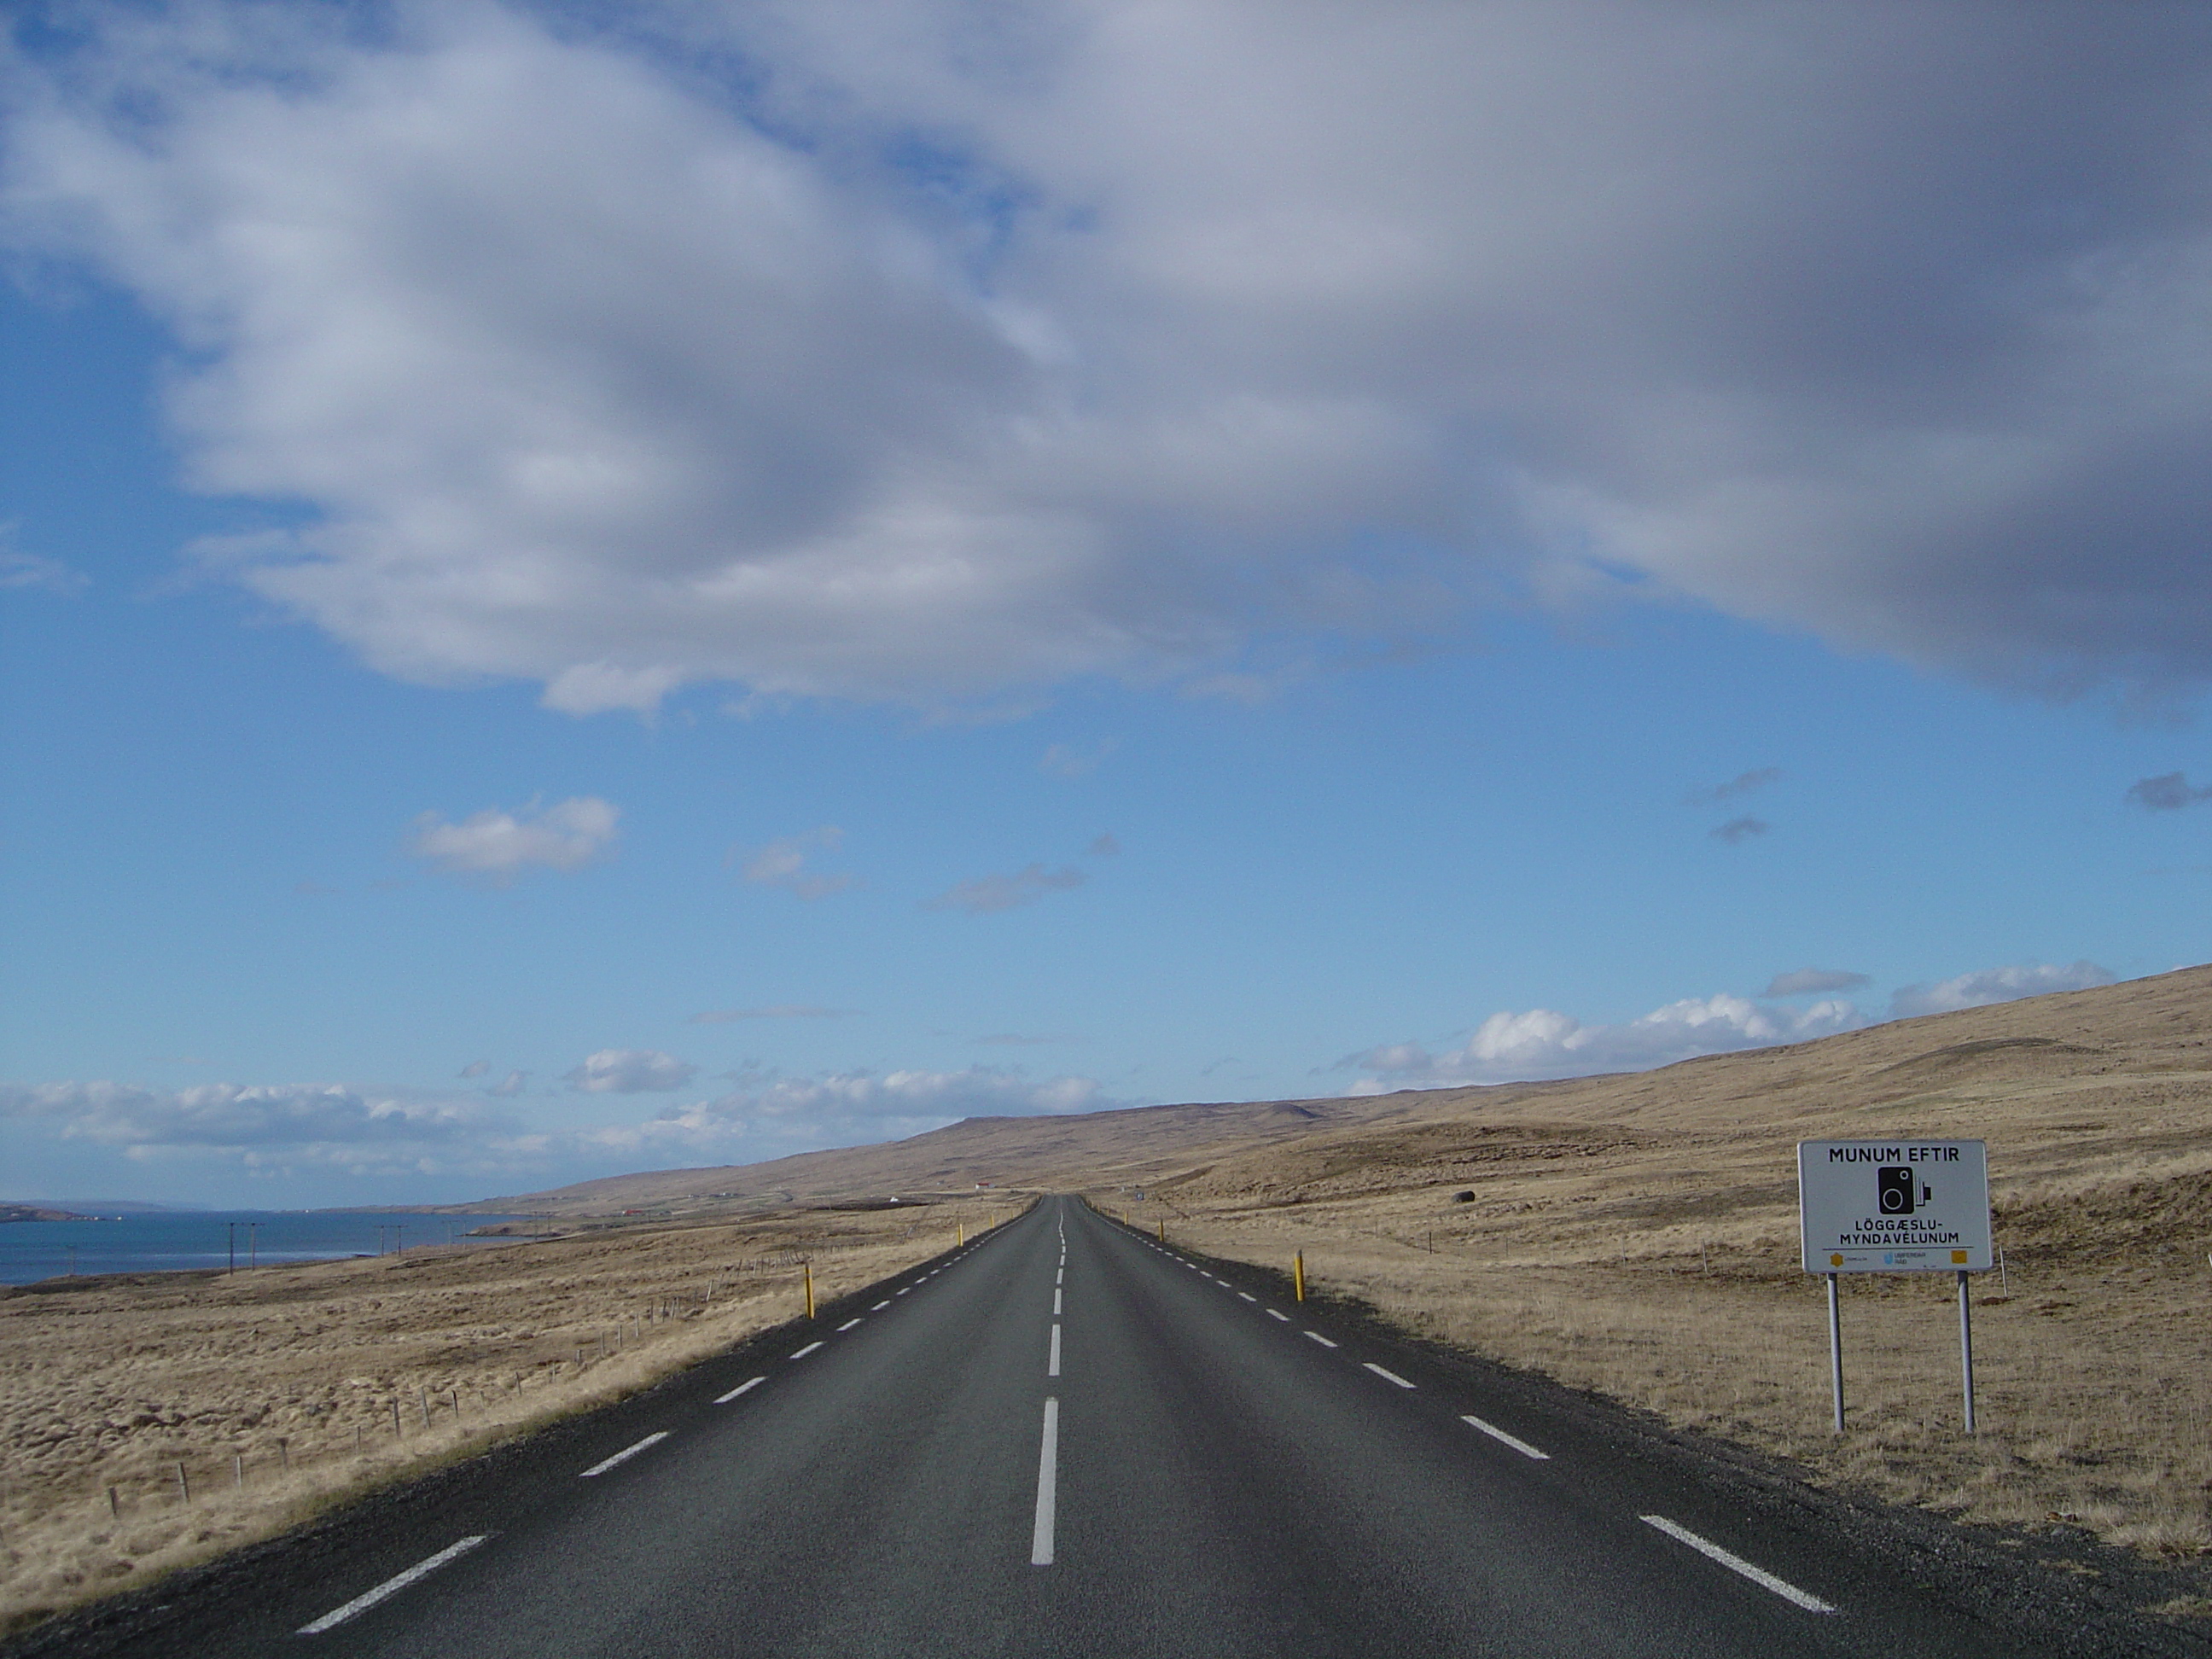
1052, 1364
879, 1307
806, 1351
1248, 1296
1758, 1575
846, 1326
1276, 1313
392, 1586
1318, 1338
1047, 1486
1499, 1435
623, 1456
1387, 1377
1060, 1275
724, 1399
1056, 1301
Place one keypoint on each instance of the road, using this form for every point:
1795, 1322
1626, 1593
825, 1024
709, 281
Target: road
1067, 1439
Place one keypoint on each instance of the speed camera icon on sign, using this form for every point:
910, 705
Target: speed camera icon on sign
1894, 1185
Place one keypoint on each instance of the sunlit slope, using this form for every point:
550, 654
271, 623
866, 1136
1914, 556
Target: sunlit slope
2137, 1058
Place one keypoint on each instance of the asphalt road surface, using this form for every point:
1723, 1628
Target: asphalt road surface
1065, 1439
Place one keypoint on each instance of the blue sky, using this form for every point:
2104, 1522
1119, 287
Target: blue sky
579, 600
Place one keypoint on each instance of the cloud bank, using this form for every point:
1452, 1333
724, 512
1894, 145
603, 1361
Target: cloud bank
1540, 1042
321, 1127
326, 1129
1524, 1046
929, 350
1978, 990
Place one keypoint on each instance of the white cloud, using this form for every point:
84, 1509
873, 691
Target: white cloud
508, 1086
783, 863
498, 846
1996, 985
1540, 1042
629, 1071
944, 349
1810, 981
986, 895
475, 1068
29, 572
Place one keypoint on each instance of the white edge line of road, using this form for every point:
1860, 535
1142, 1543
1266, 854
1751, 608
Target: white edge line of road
1387, 1377
1758, 1575
624, 1455
846, 1326
1318, 1338
879, 1307
724, 1399
1276, 1313
392, 1586
1048, 1487
1503, 1438
806, 1351
1248, 1296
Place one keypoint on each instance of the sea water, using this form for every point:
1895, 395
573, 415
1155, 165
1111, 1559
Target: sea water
170, 1240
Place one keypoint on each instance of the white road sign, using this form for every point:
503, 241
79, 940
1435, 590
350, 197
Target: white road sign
1894, 1206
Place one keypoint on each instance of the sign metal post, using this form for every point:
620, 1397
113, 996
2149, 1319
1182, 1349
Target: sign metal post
1895, 1207
1836, 1350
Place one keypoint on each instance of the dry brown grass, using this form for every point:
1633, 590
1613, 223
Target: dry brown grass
1637, 1236
276, 1390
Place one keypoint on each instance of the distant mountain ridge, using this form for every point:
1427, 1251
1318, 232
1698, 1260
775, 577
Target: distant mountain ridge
1126, 1145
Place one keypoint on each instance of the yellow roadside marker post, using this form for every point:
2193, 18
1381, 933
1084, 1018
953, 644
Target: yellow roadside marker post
1298, 1274
807, 1268
963, 1231
1164, 1232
